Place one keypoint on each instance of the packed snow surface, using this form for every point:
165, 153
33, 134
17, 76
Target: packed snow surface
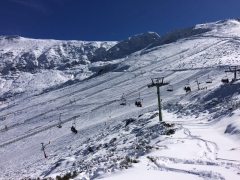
47, 83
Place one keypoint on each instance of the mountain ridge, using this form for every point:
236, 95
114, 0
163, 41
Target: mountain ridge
198, 138
62, 55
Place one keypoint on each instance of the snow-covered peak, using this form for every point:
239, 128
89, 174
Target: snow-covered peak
177, 34
25, 54
229, 27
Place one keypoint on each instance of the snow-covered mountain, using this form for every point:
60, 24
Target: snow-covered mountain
47, 82
78, 60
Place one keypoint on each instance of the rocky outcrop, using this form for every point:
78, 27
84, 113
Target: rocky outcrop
177, 34
131, 45
28, 55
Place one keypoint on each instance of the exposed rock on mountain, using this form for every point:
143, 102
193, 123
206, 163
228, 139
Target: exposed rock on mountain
177, 34
23, 60
28, 55
131, 45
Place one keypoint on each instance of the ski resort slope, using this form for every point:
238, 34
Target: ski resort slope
199, 138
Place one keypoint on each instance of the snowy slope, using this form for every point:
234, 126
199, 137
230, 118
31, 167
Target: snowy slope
201, 133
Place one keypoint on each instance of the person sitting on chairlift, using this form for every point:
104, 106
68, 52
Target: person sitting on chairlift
187, 88
73, 129
138, 103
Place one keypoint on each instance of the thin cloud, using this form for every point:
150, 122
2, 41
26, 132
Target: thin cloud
32, 4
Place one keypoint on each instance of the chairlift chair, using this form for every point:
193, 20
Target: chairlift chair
73, 128
60, 122
209, 80
170, 88
187, 87
225, 80
123, 101
74, 123
138, 102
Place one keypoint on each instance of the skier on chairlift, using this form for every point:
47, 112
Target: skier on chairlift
187, 88
138, 103
73, 129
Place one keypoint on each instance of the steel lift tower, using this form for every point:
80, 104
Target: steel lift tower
158, 82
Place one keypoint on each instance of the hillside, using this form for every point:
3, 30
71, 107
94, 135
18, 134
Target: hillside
45, 82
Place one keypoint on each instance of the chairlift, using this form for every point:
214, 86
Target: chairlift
225, 79
123, 101
73, 128
74, 122
170, 88
187, 87
138, 102
60, 122
209, 80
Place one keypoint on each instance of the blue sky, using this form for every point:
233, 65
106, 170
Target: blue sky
107, 20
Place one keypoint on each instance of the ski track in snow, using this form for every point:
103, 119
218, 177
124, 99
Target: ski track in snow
112, 138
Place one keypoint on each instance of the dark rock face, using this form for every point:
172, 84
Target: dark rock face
177, 34
131, 45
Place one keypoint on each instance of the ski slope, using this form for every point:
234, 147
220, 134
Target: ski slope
205, 126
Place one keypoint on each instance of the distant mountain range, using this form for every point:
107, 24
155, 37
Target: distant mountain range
83, 59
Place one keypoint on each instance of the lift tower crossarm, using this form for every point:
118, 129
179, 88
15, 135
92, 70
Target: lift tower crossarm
158, 82
233, 69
